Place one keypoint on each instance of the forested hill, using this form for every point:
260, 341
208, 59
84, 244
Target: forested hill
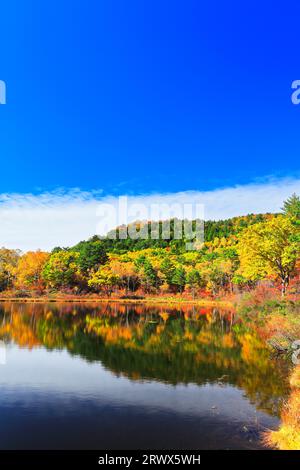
233, 254
237, 253
212, 230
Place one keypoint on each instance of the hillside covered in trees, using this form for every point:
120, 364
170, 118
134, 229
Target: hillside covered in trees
237, 254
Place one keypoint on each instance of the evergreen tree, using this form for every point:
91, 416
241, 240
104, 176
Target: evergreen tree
179, 279
150, 275
291, 207
193, 280
168, 270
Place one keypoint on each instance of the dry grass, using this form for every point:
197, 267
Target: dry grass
288, 435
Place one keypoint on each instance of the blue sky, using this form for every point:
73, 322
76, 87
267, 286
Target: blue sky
139, 98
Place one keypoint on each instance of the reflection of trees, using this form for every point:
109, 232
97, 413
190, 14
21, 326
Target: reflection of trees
172, 345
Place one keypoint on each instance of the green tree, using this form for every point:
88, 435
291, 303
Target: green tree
193, 280
179, 278
168, 269
92, 255
291, 207
150, 275
62, 269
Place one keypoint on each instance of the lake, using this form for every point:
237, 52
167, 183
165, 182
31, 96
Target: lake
126, 376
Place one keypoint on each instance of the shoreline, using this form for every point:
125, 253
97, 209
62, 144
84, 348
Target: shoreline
149, 300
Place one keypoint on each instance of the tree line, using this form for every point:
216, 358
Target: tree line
237, 254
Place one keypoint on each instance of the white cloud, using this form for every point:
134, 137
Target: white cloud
63, 218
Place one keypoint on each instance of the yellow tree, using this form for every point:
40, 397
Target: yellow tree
29, 270
104, 278
125, 270
8, 262
269, 249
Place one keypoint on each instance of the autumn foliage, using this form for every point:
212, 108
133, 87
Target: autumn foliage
238, 255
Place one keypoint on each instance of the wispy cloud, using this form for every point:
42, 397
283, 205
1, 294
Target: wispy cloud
66, 217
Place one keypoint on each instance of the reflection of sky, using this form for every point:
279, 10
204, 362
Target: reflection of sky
31, 379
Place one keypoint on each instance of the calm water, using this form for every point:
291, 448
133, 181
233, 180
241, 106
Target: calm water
116, 376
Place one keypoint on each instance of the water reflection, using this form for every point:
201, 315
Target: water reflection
209, 351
